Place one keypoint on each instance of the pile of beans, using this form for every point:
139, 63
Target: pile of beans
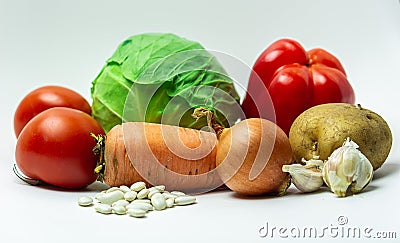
135, 200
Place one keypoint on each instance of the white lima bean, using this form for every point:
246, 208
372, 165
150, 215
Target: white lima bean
143, 206
137, 213
170, 202
118, 209
130, 196
137, 186
160, 188
178, 193
99, 195
120, 202
153, 188
85, 201
124, 189
143, 193
168, 195
111, 197
158, 201
103, 208
185, 200
112, 189
152, 192
141, 201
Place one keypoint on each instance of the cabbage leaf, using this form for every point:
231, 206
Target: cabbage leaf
161, 78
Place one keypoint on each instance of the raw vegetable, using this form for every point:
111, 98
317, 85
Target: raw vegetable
158, 69
55, 148
295, 80
44, 98
307, 177
250, 156
318, 131
347, 170
179, 158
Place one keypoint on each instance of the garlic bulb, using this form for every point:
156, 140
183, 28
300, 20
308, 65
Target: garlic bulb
347, 170
308, 177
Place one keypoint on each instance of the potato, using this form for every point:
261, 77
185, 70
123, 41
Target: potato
321, 129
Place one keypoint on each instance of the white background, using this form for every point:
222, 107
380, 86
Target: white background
67, 42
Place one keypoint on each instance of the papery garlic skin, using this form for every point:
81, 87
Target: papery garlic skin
347, 170
308, 177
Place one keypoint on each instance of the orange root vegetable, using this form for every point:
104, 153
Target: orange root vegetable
250, 156
179, 158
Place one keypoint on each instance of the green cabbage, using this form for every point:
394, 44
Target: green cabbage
161, 78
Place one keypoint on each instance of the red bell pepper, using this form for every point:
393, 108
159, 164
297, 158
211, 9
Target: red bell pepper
294, 80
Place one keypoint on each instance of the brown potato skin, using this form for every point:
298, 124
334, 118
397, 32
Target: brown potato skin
321, 129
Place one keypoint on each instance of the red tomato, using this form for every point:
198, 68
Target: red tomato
44, 98
56, 147
294, 80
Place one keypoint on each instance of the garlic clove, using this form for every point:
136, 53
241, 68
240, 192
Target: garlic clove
347, 170
308, 177
364, 176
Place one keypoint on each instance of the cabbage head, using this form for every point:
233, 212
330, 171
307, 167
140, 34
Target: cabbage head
162, 78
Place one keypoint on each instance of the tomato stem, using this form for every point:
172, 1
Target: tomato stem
99, 150
30, 181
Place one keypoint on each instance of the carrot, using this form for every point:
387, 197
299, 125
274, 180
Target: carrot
179, 158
